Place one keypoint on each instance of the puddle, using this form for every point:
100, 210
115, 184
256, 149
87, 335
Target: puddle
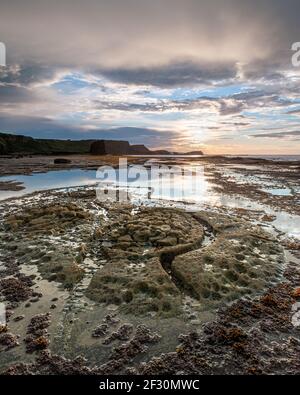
278, 191
50, 180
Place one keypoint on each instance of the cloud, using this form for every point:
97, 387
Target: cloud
283, 135
294, 112
43, 127
236, 123
169, 69
182, 73
28, 74
137, 41
15, 95
159, 43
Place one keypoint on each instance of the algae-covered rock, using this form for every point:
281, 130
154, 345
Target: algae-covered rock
239, 262
135, 277
137, 288
48, 218
151, 229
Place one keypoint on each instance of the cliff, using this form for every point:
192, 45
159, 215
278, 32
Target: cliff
110, 147
18, 144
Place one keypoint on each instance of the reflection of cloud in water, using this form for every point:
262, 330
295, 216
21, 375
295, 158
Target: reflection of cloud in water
288, 223
181, 188
50, 180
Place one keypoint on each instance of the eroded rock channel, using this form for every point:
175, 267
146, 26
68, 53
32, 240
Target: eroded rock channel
240, 260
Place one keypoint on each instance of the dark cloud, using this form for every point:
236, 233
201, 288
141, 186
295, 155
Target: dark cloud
26, 74
15, 95
31, 125
236, 123
229, 105
269, 70
43, 127
125, 106
172, 74
250, 95
157, 44
283, 135
294, 112
162, 43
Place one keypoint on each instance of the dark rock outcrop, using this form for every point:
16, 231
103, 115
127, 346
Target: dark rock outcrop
18, 144
98, 148
115, 147
139, 149
11, 144
62, 161
110, 147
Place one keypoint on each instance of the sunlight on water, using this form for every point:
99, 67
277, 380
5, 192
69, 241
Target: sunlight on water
50, 180
278, 191
181, 188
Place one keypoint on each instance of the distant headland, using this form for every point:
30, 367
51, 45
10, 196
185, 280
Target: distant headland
18, 144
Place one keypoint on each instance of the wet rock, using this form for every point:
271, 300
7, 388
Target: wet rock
141, 235
8, 340
268, 218
49, 364
146, 227
34, 300
224, 335
122, 355
36, 343
237, 263
59, 161
61, 266
36, 338
3, 328
254, 336
123, 333
15, 290
44, 219
19, 318
111, 319
296, 293
100, 331
136, 288
125, 238
167, 241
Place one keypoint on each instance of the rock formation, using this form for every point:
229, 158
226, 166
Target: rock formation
18, 144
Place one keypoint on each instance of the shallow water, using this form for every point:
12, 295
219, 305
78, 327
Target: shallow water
189, 190
50, 180
278, 191
187, 186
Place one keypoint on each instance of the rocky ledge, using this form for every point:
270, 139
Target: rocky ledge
143, 290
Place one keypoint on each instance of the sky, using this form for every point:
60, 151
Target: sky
214, 75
